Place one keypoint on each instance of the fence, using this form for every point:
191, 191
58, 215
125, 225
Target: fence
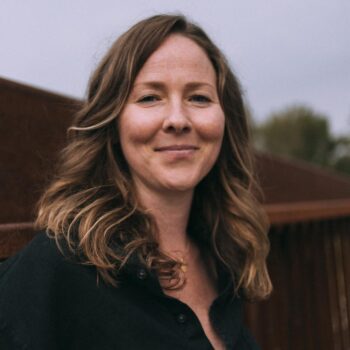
309, 265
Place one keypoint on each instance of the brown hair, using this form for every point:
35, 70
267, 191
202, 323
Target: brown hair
91, 202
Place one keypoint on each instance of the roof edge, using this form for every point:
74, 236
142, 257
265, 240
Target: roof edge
30, 89
286, 213
303, 165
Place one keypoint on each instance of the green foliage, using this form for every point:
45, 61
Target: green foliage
341, 155
343, 164
302, 133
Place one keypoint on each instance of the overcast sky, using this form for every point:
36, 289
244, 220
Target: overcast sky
284, 51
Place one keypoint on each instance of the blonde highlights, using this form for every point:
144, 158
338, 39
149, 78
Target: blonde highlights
91, 202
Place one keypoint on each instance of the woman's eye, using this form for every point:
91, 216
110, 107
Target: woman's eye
200, 99
148, 99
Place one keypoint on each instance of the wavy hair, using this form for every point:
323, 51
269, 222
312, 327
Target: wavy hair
91, 202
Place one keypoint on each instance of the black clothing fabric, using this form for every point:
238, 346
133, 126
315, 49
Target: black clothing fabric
50, 302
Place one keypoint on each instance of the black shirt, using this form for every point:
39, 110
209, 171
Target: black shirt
49, 302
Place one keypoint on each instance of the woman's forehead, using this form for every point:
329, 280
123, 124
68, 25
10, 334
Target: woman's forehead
177, 56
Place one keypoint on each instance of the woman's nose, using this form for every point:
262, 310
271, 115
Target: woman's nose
177, 121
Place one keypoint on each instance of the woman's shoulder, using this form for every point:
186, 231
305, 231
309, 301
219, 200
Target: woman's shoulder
40, 256
41, 263
31, 285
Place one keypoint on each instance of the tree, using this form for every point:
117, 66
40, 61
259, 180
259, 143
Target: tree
341, 154
296, 131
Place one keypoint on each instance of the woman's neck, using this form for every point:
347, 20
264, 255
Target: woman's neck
171, 212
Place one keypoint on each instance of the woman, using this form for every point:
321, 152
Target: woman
155, 233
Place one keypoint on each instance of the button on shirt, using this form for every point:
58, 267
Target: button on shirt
49, 301
181, 318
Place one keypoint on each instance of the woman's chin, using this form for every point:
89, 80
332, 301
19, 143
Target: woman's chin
179, 186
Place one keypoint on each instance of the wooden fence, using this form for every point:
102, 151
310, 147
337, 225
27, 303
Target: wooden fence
309, 265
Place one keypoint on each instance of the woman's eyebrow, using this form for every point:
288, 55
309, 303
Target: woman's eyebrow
151, 84
162, 86
199, 84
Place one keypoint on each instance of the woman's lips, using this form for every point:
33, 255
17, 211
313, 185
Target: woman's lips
176, 148
177, 152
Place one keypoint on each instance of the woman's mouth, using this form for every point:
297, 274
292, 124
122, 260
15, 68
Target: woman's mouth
177, 152
176, 148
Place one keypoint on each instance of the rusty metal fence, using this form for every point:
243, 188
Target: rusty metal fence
309, 265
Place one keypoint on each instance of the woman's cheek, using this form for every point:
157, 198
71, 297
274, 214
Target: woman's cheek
213, 127
140, 126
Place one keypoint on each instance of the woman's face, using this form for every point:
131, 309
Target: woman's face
172, 125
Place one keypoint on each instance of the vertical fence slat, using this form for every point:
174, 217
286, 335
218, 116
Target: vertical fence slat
296, 319
279, 265
306, 284
321, 311
332, 287
345, 242
340, 280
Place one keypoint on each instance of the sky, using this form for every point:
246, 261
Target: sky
284, 52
